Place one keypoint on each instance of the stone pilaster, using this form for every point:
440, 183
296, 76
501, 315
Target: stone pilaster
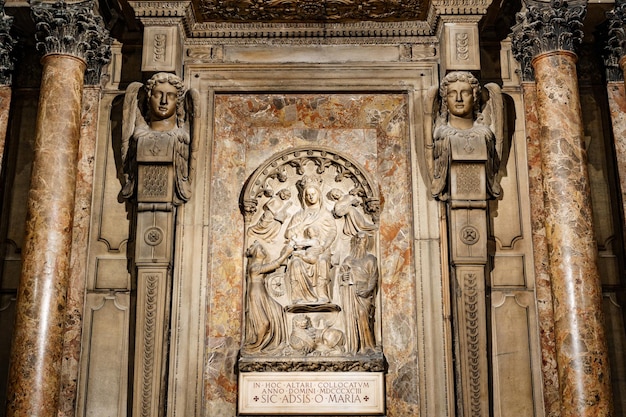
546, 36
68, 36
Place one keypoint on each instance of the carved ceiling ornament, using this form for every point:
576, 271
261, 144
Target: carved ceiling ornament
310, 10
296, 21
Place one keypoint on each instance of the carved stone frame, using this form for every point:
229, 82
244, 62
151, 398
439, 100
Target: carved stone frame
436, 396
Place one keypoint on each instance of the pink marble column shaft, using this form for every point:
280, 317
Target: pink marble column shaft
34, 379
581, 349
80, 243
5, 106
543, 286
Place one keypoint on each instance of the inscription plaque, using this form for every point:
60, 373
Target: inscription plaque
311, 393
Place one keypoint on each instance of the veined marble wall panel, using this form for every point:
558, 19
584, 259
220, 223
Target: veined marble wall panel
299, 106
105, 358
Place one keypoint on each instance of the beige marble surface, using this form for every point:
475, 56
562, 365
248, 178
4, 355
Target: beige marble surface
370, 128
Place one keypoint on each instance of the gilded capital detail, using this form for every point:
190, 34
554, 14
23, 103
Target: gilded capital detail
546, 27
6, 46
72, 29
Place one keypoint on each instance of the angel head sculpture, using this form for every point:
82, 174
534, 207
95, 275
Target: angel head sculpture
160, 127
463, 115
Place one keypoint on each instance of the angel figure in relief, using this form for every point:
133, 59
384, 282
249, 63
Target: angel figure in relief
463, 118
160, 126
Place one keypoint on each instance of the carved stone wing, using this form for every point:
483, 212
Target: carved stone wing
432, 150
493, 113
134, 101
186, 146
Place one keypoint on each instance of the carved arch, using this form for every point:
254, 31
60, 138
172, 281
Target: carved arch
295, 160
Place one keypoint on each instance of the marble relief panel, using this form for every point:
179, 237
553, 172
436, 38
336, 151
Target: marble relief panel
369, 128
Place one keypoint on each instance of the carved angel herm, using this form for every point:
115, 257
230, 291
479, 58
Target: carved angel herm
160, 126
461, 115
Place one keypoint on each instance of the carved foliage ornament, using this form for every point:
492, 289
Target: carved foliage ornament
72, 29
6, 46
615, 47
545, 27
309, 10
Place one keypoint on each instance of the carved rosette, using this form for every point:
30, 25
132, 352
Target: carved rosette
615, 47
6, 46
73, 29
545, 27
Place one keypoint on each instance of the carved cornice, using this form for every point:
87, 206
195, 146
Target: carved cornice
290, 20
6, 47
360, 363
72, 29
546, 27
615, 35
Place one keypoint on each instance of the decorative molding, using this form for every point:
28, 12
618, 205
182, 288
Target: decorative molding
472, 337
546, 27
7, 43
150, 315
372, 363
73, 29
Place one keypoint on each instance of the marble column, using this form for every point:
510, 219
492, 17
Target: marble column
69, 35
540, 254
6, 68
547, 35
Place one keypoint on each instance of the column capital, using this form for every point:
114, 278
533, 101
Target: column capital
615, 48
72, 29
547, 27
6, 46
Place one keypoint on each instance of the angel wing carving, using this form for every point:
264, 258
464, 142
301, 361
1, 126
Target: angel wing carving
138, 123
488, 115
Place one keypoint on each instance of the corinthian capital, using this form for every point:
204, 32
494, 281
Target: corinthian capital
71, 29
6, 46
615, 48
548, 26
